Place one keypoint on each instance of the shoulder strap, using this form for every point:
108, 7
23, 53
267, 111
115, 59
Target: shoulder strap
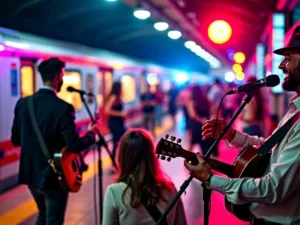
152, 210
38, 134
278, 135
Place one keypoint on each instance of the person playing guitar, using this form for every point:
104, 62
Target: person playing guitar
275, 197
56, 120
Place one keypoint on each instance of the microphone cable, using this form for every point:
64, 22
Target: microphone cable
220, 104
95, 167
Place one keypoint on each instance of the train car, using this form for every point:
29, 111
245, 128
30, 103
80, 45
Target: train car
93, 70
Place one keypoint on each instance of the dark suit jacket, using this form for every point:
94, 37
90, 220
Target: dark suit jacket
56, 120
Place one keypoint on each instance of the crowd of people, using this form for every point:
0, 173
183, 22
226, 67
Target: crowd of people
142, 191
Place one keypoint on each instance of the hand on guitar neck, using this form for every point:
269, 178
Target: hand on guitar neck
198, 167
201, 171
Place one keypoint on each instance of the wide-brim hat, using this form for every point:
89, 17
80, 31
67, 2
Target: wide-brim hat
293, 44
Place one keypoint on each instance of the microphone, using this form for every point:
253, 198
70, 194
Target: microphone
269, 81
82, 92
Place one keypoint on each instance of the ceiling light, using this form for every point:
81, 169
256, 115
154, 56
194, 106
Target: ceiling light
161, 26
219, 31
239, 57
16, 44
111, 0
195, 48
141, 13
189, 44
174, 34
240, 76
229, 76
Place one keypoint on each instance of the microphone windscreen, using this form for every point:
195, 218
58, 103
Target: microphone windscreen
70, 89
272, 80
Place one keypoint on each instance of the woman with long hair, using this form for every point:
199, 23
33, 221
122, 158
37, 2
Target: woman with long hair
252, 115
199, 111
116, 115
141, 185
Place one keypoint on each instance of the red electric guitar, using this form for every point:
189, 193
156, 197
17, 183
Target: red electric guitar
247, 164
70, 167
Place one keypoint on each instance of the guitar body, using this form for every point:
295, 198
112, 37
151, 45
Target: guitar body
70, 166
247, 164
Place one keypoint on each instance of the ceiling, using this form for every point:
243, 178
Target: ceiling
101, 24
247, 18
112, 26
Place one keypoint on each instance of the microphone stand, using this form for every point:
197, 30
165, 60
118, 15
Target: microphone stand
100, 143
206, 191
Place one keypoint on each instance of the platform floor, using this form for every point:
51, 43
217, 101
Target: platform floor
18, 207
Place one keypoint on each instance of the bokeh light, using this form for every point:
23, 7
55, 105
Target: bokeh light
237, 68
239, 57
219, 31
240, 76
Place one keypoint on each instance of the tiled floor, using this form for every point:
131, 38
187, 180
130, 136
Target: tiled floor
17, 206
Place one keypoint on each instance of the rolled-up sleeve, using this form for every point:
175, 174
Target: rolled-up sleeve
242, 140
277, 185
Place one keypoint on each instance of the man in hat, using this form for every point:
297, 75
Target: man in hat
275, 197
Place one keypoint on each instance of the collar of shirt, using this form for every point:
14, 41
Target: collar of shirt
48, 88
294, 103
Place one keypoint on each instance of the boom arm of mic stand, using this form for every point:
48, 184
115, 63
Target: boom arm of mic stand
101, 141
206, 192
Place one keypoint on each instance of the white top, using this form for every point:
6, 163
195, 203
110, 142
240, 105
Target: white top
275, 197
115, 212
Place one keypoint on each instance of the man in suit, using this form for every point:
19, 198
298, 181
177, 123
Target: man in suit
56, 121
274, 198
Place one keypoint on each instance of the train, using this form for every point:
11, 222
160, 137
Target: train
90, 69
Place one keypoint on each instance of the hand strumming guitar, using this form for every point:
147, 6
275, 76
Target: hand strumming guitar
201, 171
210, 128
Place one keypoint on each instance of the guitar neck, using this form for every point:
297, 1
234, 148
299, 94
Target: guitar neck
219, 166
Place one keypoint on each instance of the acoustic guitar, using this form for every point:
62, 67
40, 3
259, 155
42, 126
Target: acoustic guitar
70, 167
247, 164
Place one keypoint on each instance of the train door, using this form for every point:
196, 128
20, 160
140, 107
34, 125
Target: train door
17, 81
105, 81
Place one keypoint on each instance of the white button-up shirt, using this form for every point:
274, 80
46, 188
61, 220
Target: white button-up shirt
275, 197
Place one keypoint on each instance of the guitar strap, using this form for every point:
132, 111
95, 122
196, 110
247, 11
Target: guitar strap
41, 139
278, 135
152, 210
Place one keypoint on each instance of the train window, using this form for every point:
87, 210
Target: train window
100, 91
27, 81
128, 88
108, 79
90, 87
71, 78
104, 78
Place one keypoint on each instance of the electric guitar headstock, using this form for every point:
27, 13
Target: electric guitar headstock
169, 147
